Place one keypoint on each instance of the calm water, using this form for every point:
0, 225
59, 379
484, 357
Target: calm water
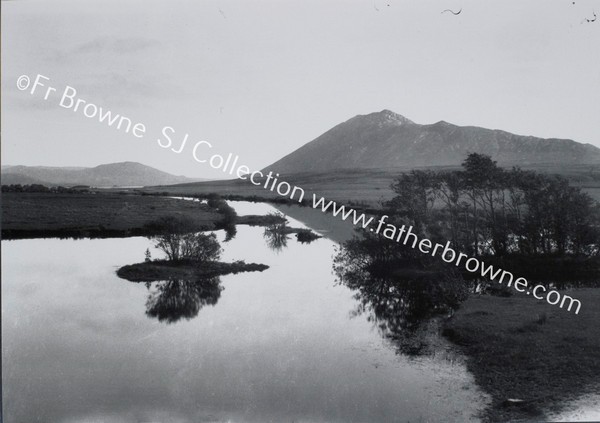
277, 346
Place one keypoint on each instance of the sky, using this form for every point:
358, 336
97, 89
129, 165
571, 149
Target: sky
261, 78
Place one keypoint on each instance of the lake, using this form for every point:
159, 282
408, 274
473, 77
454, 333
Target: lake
281, 345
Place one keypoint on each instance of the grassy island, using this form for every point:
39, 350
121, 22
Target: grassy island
160, 270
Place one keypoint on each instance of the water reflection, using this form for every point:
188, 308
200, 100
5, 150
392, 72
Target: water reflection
172, 300
306, 236
276, 236
398, 298
281, 345
230, 233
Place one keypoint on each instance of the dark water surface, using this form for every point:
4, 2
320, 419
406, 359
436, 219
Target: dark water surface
280, 346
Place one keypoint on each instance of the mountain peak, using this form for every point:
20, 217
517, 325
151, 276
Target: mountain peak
392, 117
384, 118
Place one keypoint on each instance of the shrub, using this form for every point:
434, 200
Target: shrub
176, 239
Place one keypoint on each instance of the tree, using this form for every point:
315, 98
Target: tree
177, 239
487, 186
200, 247
455, 209
416, 194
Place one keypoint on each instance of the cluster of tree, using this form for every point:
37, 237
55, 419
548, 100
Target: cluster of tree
484, 209
512, 216
178, 240
43, 188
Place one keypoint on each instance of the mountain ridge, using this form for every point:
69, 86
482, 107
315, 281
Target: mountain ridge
105, 175
386, 139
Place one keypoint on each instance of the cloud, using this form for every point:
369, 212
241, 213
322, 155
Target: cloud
102, 46
121, 70
119, 46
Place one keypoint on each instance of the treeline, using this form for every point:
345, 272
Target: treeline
43, 188
486, 210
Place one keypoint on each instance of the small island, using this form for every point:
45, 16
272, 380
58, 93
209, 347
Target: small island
190, 255
160, 270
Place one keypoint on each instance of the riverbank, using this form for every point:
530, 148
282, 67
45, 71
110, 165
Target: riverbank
103, 215
523, 349
160, 270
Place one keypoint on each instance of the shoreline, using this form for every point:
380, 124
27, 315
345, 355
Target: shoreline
527, 350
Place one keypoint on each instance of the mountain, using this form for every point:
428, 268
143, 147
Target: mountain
387, 140
19, 179
107, 175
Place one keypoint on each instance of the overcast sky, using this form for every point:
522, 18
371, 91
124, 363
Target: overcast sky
261, 78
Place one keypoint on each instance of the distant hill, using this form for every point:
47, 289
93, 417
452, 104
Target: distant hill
9, 178
387, 140
108, 175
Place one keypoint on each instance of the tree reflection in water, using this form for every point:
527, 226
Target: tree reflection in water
276, 236
397, 292
230, 232
171, 300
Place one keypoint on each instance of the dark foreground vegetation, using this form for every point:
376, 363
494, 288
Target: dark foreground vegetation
534, 225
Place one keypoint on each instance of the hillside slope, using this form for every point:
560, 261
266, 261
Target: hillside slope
387, 140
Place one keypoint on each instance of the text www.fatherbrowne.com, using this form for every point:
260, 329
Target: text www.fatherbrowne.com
406, 236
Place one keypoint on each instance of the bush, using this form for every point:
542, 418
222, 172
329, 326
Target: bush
176, 239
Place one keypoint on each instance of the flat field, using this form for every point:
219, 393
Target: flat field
28, 215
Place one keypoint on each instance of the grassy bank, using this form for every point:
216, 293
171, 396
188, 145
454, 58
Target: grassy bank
30, 215
521, 348
102, 215
160, 270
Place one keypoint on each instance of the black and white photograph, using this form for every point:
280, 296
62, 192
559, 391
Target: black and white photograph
300, 211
